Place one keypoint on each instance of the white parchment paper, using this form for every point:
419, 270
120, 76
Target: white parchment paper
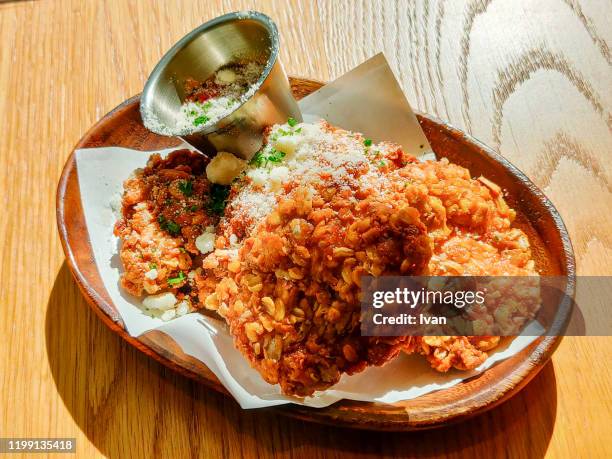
101, 172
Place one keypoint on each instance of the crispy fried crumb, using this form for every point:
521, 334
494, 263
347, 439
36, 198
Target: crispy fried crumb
292, 295
163, 211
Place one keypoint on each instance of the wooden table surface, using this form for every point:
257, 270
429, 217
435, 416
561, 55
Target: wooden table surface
531, 78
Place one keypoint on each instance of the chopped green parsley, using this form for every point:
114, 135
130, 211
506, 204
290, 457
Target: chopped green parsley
261, 159
202, 119
176, 280
218, 198
257, 160
168, 225
186, 187
276, 156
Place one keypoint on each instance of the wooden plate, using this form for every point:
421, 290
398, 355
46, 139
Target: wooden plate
536, 216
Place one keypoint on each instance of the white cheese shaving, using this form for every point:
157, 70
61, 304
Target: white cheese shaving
168, 315
161, 301
182, 308
205, 242
278, 176
224, 168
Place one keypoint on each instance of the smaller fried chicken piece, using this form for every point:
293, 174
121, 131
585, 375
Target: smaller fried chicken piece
468, 203
470, 225
163, 212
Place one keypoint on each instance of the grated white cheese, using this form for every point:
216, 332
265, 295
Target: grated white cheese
168, 315
235, 85
205, 242
161, 301
310, 153
212, 111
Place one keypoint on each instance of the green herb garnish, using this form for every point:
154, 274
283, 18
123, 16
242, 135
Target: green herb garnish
218, 198
186, 187
367, 142
176, 280
168, 225
382, 163
292, 122
260, 159
276, 156
257, 160
203, 119
152, 266
194, 208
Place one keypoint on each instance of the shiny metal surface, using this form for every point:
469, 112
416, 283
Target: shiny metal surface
224, 40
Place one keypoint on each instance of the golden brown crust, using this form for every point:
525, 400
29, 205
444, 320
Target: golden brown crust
163, 211
460, 352
292, 295
471, 228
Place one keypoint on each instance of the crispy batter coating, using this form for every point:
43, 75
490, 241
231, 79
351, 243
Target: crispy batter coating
446, 352
292, 295
291, 292
163, 211
471, 228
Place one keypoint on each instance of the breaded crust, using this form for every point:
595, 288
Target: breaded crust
163, 211
292, 295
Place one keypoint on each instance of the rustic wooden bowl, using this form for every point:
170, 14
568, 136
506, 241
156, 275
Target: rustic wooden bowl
536, 216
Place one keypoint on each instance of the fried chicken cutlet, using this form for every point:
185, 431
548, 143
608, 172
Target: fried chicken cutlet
472, 235
290, 292
164, 210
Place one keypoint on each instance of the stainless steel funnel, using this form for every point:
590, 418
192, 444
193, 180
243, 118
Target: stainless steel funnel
225, 40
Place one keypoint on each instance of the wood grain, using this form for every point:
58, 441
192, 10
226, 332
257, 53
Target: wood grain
532, 79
